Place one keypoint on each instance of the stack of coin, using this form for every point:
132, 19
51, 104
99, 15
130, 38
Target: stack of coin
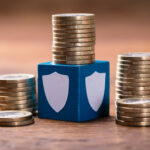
17, 92
133, 112
15, 118
73, 38
133, 76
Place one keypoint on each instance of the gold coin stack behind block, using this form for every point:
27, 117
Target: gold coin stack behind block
133, 81
73, 38
17, 92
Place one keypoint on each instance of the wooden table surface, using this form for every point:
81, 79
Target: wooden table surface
24, 43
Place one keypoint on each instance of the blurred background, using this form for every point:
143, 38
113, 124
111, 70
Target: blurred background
26, 35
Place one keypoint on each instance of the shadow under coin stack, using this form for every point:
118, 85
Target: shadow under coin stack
73, 38
133, 88
17, 92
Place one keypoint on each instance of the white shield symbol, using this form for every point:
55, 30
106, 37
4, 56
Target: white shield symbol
95, 88
56, 87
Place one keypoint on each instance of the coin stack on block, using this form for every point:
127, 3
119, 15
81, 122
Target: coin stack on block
15, 118
133, 76
133, 112
73, 38
17, 92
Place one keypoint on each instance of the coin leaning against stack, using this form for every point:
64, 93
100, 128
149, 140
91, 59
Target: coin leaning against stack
15, 118
133, 76
73, 38
133, 112
17, 92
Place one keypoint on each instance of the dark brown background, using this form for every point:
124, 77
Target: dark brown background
26, 38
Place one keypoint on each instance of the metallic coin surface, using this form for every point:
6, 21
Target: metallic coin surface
131, 88
122, 96
134, 67
127, 123
27, 101
73, 16
133, 75
133, 84
74, 49
133, 92
14, 106
141, 71
15, 94
131, 114
133, 80
133, 62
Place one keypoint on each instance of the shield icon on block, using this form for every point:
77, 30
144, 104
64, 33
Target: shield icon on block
95, 88
56, 87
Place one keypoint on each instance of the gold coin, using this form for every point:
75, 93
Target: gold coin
84, 40
27, 101
122, 96
134, 67
67, 44
127, 123
74, 53
144, 84
131, 88
14, 115
64, 57
77, 31
74, 49
72, 27
15, 106
16, 78
133, 80
133, 62
133, 92
17, 123
80, 22
28, 109
134, 103
133, 119
131, 114
141, 71
68, 35
133, 75
73, 16
80, 62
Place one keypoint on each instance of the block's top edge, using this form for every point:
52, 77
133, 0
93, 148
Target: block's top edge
96, 62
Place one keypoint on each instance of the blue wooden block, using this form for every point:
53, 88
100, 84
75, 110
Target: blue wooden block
73, 92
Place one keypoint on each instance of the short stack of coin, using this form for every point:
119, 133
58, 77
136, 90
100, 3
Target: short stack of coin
17, 92
133, 76
15, 118
133, 112
73, 38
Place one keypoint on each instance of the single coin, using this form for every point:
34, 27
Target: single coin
73, 16
17, 123
67, 44
13, 102
133, 62
131, 114
62, 27
141, 71
14, 115
133, 80
134, 110
133, 75
74, 53
133, 103
135, 56
79, 31
16, 78
126, 123
92, 39
135, 84
74, 49
134, 67
133, 119
118, 96
80, 22
15, 106
13, 98
64, 57
133, 92
30, 109
68, 35
131, 88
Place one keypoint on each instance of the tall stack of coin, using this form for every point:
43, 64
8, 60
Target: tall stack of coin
133, 112
17, 92
133, 76
73, 38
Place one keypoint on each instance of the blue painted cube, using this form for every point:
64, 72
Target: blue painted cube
73, 92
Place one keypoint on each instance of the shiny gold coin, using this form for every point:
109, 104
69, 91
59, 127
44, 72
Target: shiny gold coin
133, 75
17, 123
127, 123
84, 40
135, 56
17, 98
13, 102
134, 67
80, 62
16, 78
67, 44
73, 53
133, 119
131, 88
15, 106
133, 92
122, 96
15, 94
73, 16
134, 103
133, 62
80, 22
75, 31
72, 49
133, 80
131, 114
141, 71
133, 84
64, 57
10, 116
67, 35
72, 27
29, 109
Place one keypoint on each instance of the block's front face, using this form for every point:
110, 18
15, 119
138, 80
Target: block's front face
57, 92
